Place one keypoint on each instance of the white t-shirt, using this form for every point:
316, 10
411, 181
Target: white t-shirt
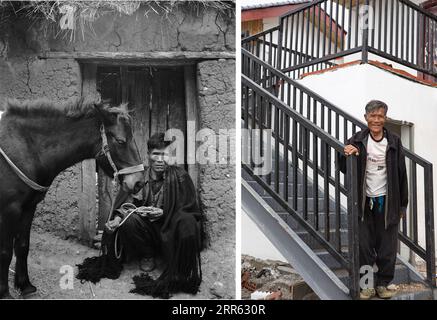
376, 167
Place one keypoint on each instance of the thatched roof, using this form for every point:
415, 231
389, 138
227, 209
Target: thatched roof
84, 13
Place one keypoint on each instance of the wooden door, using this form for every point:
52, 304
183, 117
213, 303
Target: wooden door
156, 97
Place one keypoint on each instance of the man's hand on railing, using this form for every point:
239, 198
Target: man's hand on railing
351, 150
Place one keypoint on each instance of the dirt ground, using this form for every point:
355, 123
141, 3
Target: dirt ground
48, 253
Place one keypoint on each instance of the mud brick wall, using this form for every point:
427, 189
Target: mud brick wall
183, 29
27, 77
216, 85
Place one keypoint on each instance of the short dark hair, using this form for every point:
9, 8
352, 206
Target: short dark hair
157, 141
375, 105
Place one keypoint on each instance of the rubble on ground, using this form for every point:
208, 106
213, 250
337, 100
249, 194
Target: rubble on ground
277, 278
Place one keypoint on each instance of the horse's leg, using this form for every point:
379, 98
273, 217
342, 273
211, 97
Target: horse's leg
8, 222
21, 247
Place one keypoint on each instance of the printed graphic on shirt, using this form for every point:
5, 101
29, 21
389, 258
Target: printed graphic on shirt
376, 171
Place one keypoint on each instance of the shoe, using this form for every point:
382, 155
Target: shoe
147, 264
385, 293
367, 294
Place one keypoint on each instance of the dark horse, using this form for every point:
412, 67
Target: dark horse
42, 139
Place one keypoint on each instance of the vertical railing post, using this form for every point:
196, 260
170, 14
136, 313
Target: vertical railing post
429, 226
279, 53
353, 238
365, 26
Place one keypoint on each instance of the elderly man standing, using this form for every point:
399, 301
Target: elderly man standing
383, 186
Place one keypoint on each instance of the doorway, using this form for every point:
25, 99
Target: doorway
156, 99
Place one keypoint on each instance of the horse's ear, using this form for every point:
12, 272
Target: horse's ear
101, 112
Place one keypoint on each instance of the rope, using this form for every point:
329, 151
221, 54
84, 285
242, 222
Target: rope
128, 209
105, 149
107, 153
22, 176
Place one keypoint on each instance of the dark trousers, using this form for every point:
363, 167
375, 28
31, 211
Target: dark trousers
377, 244
140, 238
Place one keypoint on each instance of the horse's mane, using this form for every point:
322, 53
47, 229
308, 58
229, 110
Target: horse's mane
72, 108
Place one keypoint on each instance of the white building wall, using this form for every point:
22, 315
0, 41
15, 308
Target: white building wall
297, 36
400, 42
255, 243
352, 87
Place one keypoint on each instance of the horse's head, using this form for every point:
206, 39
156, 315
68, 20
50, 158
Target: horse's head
121, 145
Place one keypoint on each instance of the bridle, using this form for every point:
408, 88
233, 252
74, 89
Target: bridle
22, 176
105, 150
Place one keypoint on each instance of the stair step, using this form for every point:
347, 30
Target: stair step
314, 244
260, 190
322, 217
282, 178
328, 259
401, 276
278, 208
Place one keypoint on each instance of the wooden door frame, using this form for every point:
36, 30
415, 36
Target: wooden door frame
88, 213
87, 194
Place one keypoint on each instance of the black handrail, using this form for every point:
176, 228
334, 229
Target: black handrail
260, 34
261, 107
272, 78
265, 46
398, 30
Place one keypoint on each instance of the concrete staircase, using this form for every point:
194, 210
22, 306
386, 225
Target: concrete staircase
413, 285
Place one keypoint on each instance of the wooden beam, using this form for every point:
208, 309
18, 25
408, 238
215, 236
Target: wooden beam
191, 105
87, 202
87, 199
106, 196
267, 12
158, 55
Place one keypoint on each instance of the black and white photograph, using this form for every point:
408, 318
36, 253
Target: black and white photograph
338, 134
117, 150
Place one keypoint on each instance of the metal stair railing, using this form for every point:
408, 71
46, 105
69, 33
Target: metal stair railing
313, 36
340, 125
260, 109
264, 45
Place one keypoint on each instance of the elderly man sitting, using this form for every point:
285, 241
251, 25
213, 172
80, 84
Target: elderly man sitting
162, 219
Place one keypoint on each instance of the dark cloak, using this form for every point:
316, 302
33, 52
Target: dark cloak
182, 236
